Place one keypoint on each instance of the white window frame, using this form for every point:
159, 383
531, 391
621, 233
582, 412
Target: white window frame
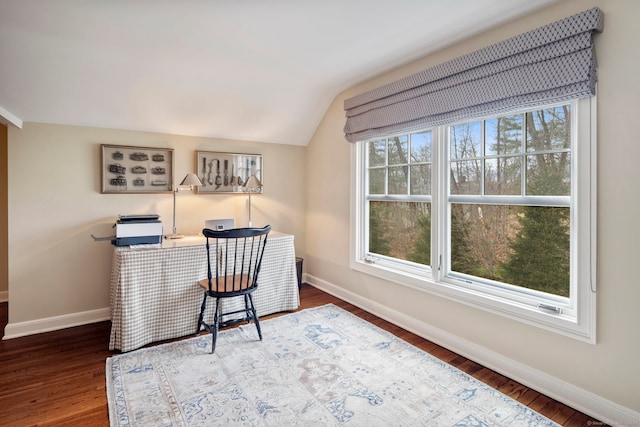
576, 319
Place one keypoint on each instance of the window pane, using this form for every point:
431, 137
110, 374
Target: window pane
421, 147
377, 153
549, 174
401, 230
503, 135
465, 177
549, 129
421, 180
526, 246
376, 181
398, 148
502, 176
479, 238
466, 140
398, 178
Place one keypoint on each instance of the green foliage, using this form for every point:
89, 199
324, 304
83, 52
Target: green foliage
462, 258
422, 249
540, 258
378, 240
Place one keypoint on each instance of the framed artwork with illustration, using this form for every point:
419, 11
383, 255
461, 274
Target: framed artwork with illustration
227, 172
136, 169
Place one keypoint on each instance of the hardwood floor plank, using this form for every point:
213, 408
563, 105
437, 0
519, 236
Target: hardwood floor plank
578, 419
514, 390
58, 378
470, 367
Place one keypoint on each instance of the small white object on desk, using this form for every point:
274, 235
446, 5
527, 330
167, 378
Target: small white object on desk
219, 224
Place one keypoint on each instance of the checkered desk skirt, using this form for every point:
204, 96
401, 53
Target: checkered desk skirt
155, 294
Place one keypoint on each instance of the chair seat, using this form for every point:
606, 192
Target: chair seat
227, 284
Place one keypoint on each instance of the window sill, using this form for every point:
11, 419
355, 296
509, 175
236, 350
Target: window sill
529, 314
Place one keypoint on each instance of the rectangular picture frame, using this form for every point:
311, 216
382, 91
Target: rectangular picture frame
136, 170
226, 172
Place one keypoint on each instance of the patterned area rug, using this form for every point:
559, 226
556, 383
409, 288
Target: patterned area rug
317, 367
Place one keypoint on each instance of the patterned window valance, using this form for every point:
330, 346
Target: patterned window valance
553, 63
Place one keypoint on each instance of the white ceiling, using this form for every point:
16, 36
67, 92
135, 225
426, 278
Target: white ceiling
257, 70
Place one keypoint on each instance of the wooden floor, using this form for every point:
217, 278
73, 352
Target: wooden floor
58, 378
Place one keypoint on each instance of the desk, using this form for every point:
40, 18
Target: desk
155, 294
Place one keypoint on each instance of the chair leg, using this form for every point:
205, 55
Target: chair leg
216, 323
255, 315
202, 310
248, 314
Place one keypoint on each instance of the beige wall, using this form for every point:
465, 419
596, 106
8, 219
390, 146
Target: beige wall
55, 204
608, 369
4, 263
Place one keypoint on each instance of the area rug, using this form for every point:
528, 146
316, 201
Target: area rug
317, 367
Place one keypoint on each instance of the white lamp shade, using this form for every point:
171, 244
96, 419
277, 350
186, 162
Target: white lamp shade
252, 184
192, 180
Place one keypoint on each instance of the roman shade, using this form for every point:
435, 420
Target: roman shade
550, 64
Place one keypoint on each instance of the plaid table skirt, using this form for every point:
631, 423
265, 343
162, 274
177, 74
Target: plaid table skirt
155, 294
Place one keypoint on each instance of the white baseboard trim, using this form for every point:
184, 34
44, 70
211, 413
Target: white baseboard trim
30, 327
4, 296
562, 391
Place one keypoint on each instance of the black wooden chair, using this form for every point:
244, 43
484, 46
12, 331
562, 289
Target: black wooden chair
234, 258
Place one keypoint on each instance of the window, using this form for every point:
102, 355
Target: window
399, 195
497, 213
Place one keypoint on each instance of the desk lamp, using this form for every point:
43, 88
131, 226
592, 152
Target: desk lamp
190, 180
253, 185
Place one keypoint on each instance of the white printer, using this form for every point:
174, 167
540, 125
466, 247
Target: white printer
219, 224
137, 230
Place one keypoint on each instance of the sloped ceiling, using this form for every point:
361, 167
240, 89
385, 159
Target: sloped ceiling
258, 70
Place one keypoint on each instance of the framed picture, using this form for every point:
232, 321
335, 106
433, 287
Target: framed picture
136, 169
227, 172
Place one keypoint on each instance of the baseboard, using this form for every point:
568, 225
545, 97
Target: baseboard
4, 296
562, 391
21, 329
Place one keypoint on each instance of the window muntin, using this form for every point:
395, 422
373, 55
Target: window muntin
504, 144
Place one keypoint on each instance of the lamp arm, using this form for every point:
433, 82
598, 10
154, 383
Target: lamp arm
250, 225
174, 211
